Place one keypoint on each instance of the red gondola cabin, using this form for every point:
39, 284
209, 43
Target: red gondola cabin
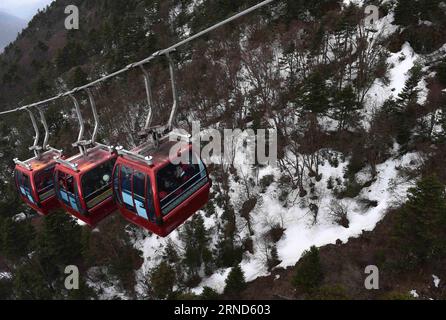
159, 196
84, 185
34, 179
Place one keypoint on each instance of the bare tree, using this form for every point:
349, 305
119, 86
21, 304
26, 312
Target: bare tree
339, 211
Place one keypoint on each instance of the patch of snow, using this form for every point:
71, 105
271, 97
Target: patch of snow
299, 237
424, 92
109, 290
19, 217
426, 23
435, 117
364, 176
327, 124
414, 294
216, 282
359, 3
400, 62
436, 281
5, 275
78, 221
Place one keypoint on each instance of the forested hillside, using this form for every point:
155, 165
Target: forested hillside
361, 122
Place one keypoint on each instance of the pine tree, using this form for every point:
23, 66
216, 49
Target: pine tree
209, 294
77, 78
162, 280
73, 54
16, 239
409, 13
273, 259
345, 108
400, 124
315, 94
421, 227
196, 240
59, 243
112, 247
170, 253
400, 111
235, 283
228, 251
309, 275
406, 12
5, 289
410, 93
441, 73
41, 87
301, 9
29, 283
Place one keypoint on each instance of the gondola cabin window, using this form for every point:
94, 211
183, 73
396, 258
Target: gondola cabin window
126, 188
139, 196
45, 183
136, 192
96, 184
24, 186
176, 183
67, 190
